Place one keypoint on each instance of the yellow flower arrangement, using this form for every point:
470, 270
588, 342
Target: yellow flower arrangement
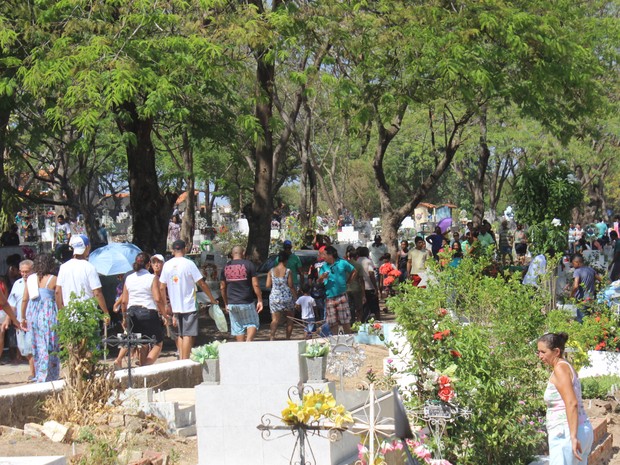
314, 407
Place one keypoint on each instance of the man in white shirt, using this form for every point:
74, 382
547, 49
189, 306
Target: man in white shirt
79, 277
179, 277
24, 338
62, 232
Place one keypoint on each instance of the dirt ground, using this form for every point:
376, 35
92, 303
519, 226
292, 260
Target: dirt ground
609, 409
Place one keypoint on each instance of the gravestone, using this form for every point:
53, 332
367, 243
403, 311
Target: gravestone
348, 234
254, 380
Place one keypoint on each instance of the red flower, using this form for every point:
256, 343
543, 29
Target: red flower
394, 273
377, 325
600, 346
446, 394
444, 381
455, 353
386, 268
388, 281
446, 332
438, 336
443, 312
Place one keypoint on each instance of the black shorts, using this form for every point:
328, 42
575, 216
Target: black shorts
146, 322
521, 248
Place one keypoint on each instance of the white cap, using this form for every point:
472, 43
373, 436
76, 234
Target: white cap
79, 243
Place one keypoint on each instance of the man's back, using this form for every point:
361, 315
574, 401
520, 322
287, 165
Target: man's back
180, 275
238, 276
77, 276
587, 280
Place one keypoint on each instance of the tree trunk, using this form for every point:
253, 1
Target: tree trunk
391, 217
483, 163
189, 216
5, 115
261, 209
149, 208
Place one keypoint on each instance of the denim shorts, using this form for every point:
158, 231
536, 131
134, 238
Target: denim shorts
560, 446
242, 316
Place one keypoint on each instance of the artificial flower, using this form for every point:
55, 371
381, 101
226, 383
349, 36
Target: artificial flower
388, 281
446, 393
455, 353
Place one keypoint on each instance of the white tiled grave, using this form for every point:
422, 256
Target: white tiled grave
255, 380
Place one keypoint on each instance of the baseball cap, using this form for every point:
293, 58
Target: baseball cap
178, 245
79, 243
159, 257
287, 243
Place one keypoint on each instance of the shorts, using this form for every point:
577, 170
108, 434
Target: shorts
560, 446
187, 324
146, 322
337, 310
416, 279
310, 325
242, 317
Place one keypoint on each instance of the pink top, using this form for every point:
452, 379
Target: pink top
556, 410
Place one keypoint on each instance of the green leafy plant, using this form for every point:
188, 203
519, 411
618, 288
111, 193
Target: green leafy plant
78, 329
206, 352
88, 381
318, 349
486, 365
598, 387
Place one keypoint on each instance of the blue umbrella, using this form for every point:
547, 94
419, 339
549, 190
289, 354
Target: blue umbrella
115, 258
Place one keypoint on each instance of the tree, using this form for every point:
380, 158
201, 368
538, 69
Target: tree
536, 56
130, 61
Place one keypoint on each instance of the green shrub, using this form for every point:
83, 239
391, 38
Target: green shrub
488, 363
598, 387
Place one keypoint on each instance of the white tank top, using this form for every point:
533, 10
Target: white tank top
139, 287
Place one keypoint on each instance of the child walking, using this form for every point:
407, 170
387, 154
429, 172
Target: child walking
307, 304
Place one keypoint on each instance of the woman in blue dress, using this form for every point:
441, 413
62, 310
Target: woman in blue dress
39, 315
283, 295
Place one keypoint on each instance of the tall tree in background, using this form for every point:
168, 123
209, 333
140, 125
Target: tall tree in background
537, 56
130, 61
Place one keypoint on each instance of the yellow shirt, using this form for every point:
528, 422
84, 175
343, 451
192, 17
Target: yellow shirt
418, 260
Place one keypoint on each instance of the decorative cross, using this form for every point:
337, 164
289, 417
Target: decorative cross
437, 415
301, 430
372, 424
129, 340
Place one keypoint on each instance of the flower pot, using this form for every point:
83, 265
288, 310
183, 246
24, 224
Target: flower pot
316, 368
211, 371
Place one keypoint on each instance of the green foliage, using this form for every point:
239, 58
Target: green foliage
78, 329
205, 352
542, 194
599, 330
598, 387
489, 361
316, 349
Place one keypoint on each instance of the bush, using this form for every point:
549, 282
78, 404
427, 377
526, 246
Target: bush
486, 365
598, 387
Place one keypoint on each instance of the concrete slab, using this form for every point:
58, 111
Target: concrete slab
51, 460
